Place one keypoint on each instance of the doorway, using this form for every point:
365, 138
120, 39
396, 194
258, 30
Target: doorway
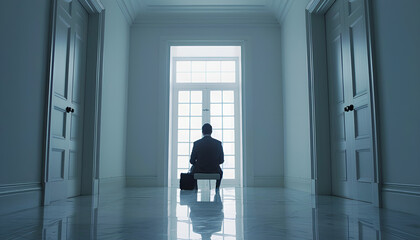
205, 88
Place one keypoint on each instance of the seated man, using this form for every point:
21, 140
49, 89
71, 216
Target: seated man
207, 154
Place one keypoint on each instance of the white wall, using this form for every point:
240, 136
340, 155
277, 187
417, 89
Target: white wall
148, 101
114, 94
397, 38
23, 83
297, 161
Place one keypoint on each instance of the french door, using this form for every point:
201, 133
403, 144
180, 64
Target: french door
217, 103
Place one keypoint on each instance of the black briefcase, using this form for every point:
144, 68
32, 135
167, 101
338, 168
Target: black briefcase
187, 181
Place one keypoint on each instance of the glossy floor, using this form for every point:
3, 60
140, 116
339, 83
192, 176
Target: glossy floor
233, 213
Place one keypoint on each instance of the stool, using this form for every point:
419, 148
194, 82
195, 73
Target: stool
207, 176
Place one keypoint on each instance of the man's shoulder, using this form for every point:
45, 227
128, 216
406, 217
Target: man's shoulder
206, 140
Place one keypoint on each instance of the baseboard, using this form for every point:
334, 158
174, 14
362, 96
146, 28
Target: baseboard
301, 184
268, 182
401, 197
143, 182
20, 196
112, 184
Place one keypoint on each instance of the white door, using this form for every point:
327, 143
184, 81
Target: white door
203, 101
352, 156
66, 123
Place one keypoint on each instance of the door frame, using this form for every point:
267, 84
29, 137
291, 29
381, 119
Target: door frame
318, 99
91, 135
176, 87
166, 101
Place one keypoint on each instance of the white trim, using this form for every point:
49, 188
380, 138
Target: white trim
408, 189
126, 11
6, 189
319, 6
92, 6
283, 14
19, 196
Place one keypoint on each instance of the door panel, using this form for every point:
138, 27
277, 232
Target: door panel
348, 76
337, 96
66, 123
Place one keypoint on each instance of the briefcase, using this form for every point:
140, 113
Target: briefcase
187, 181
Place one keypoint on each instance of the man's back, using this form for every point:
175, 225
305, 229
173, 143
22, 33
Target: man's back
206, 155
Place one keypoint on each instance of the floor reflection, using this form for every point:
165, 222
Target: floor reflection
206, 214
233, 213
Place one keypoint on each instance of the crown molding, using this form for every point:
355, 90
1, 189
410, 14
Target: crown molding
319, 6
127, 10
206, 18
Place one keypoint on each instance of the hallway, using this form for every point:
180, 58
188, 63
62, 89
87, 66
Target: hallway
248, 213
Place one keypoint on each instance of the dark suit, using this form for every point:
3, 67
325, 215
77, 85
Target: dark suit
206, 156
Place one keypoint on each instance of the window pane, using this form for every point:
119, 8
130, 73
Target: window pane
229, 148
183, 96
198, 66
217, 134
228, 77
183, 136
183, 149
215, 109
183, 122
196, 122
228, 97
230, 224
228, 66
196, 97
216, 122
183, 66
213, 77
228, 122
195, 135
183, 161
183, 77
181, 170
228, 109
213, 66
229, 162
229, 173
216, 96
228, 135
198, 77
196, 110
183, 109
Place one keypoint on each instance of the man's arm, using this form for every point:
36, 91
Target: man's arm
222, 155
193, 158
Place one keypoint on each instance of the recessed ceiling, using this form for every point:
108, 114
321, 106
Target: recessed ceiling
140, 11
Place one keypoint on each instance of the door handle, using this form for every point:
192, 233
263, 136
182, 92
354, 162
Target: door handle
346, 108
349, 108
69, 109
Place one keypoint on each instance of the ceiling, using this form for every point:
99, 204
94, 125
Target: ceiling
211, 11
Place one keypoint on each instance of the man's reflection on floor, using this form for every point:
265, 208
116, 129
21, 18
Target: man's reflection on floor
206, 217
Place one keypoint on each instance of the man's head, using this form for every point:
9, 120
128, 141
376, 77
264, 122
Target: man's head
207, 129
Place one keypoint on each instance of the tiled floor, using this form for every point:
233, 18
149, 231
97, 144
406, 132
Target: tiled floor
241, 213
